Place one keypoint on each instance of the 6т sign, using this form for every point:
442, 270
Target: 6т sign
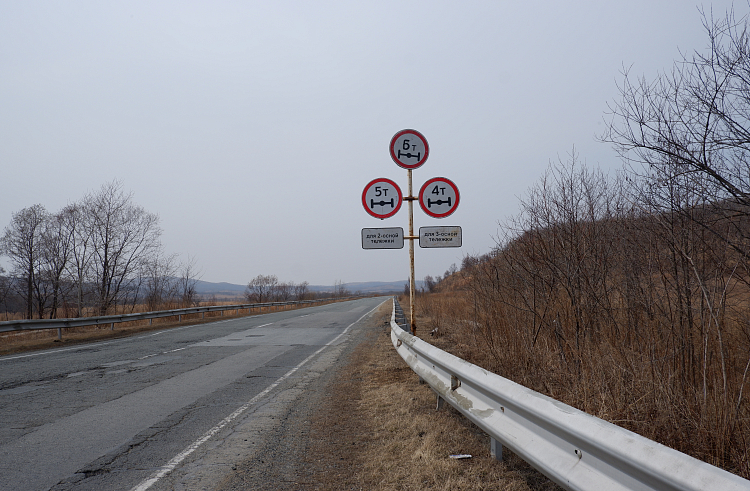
409, 149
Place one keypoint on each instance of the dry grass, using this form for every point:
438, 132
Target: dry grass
611, 381
380, 430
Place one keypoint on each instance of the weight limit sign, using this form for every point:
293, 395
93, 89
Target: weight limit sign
382, 198
439, 197
409, 149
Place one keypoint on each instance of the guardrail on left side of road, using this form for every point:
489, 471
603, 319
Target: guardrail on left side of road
33, 324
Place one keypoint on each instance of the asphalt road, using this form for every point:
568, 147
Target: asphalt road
162, 410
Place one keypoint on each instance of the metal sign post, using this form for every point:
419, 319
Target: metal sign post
438, 197
412, 283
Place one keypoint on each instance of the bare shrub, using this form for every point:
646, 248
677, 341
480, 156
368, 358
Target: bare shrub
608, 296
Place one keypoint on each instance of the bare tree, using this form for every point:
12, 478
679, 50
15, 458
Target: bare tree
123, 237
4, 288
283, 291
158, 275
77, 220
301, 291
261, 288
686, 137
694, 123
57, 247
22, 243
430, 283
186, 283
340, 290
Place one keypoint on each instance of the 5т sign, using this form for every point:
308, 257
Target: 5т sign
382, 198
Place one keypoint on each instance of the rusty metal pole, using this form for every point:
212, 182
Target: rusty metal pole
411, 256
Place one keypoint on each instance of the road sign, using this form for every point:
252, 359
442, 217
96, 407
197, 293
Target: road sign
383, 238
409, 149
382, 198
440, 237
439, 197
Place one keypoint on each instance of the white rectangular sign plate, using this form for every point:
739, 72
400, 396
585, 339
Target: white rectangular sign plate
439, 236
383, 238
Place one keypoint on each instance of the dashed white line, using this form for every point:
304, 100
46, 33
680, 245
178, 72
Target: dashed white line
56, 351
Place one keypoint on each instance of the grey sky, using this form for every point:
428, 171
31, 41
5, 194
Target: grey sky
251, 128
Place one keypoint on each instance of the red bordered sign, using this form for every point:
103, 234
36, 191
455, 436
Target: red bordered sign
409, 149
382, 198
439, 197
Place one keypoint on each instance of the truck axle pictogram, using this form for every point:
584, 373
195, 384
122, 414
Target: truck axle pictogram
438, 202
381, 203
409, 155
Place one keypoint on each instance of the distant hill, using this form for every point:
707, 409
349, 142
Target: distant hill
379, 286
231, 289
206, 287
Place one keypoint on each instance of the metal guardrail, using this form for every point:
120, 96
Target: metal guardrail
32, 324
574, 449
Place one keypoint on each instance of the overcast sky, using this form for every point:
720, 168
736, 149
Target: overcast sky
251, 128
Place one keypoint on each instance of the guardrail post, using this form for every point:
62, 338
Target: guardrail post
59, 334
496, 449
179, 318
112, 327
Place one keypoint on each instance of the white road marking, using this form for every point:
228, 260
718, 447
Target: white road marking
56, 351
177, 459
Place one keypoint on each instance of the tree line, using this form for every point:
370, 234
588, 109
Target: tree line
268, 288
101, 254
629, 295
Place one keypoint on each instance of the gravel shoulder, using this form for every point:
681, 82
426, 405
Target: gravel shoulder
359, 419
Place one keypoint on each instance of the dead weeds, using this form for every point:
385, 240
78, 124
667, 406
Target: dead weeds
379, 429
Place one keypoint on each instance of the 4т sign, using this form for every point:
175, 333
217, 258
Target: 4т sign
439, 197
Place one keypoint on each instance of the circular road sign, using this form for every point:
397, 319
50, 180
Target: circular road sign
382, 198
409, 149
439, 197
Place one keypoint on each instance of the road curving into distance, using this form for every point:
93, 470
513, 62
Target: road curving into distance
161, 410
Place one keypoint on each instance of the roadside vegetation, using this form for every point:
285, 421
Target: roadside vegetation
103, 255
97, 256
378, 428
628, 296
